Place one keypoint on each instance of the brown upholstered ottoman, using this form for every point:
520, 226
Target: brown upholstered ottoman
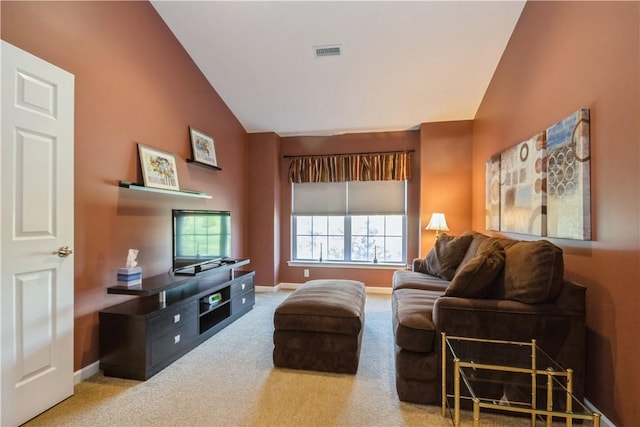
319, 327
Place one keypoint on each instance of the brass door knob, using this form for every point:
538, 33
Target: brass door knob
64, 251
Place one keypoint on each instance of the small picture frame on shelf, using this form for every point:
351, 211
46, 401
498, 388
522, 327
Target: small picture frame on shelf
159, 169
202, 148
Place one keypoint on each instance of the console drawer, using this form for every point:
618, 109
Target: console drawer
243, 303
173, 318
175, 341
241, 286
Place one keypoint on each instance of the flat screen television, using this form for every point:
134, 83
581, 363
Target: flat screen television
201, 238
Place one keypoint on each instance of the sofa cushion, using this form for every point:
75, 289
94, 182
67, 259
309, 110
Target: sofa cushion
443, 259
532, 272
327, 306
472, 250
411, 279
477, 276
413, 327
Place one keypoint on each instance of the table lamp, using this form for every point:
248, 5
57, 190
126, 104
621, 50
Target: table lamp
437, 223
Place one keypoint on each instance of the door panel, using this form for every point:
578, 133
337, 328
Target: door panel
35, 185
35, 324
35, 94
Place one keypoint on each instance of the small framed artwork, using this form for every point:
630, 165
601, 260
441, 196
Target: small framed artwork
158, 168
202, 148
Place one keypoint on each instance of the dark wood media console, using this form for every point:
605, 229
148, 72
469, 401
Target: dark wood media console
172, 315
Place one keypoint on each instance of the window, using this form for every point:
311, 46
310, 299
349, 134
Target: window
312, 232
379, 237
349, 222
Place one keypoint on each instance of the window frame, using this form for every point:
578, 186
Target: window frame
347, 241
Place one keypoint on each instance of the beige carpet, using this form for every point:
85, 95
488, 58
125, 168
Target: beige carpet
230, 380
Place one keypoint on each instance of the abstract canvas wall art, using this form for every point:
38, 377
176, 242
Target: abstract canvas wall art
522, 196
542, 186
568, 178
492, 206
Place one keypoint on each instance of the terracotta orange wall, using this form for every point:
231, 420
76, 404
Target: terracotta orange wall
264, 206
561, 57
348, 143
445, 159
133, 83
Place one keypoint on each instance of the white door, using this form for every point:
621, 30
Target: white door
36, 219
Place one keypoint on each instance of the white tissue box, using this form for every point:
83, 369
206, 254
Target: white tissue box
130, 283
129, 276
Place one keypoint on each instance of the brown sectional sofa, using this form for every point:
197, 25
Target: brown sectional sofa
474, 285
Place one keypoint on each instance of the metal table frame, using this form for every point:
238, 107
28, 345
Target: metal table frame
458, 374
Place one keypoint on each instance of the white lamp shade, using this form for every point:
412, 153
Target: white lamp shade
437, 223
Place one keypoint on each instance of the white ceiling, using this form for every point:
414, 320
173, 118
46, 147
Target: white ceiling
402, 63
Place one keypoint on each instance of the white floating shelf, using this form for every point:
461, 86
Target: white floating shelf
183, 193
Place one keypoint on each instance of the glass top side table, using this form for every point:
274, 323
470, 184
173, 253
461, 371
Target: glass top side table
510, 376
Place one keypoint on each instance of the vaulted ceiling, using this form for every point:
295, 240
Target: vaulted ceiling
400, 63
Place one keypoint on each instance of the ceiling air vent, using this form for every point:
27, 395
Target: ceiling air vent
322, 51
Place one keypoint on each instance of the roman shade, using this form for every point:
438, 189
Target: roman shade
349, 198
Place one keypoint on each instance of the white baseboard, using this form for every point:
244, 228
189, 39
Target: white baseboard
266, 289
289, 285
378, 290
604, 421
294, 286
86, 372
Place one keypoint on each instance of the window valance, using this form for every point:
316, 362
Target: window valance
387, 166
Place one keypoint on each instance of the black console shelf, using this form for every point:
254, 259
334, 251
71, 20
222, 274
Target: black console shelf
170, 317
164, 282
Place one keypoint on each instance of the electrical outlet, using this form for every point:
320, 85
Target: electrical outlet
306, 272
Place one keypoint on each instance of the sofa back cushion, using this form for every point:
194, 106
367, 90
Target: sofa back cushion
477, 276
532, 273
443, 259
472, 250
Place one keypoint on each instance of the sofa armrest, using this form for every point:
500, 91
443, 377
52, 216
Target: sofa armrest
572, 297
500, 319
559, 332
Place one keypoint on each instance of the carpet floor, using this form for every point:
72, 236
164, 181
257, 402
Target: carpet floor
230, 380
